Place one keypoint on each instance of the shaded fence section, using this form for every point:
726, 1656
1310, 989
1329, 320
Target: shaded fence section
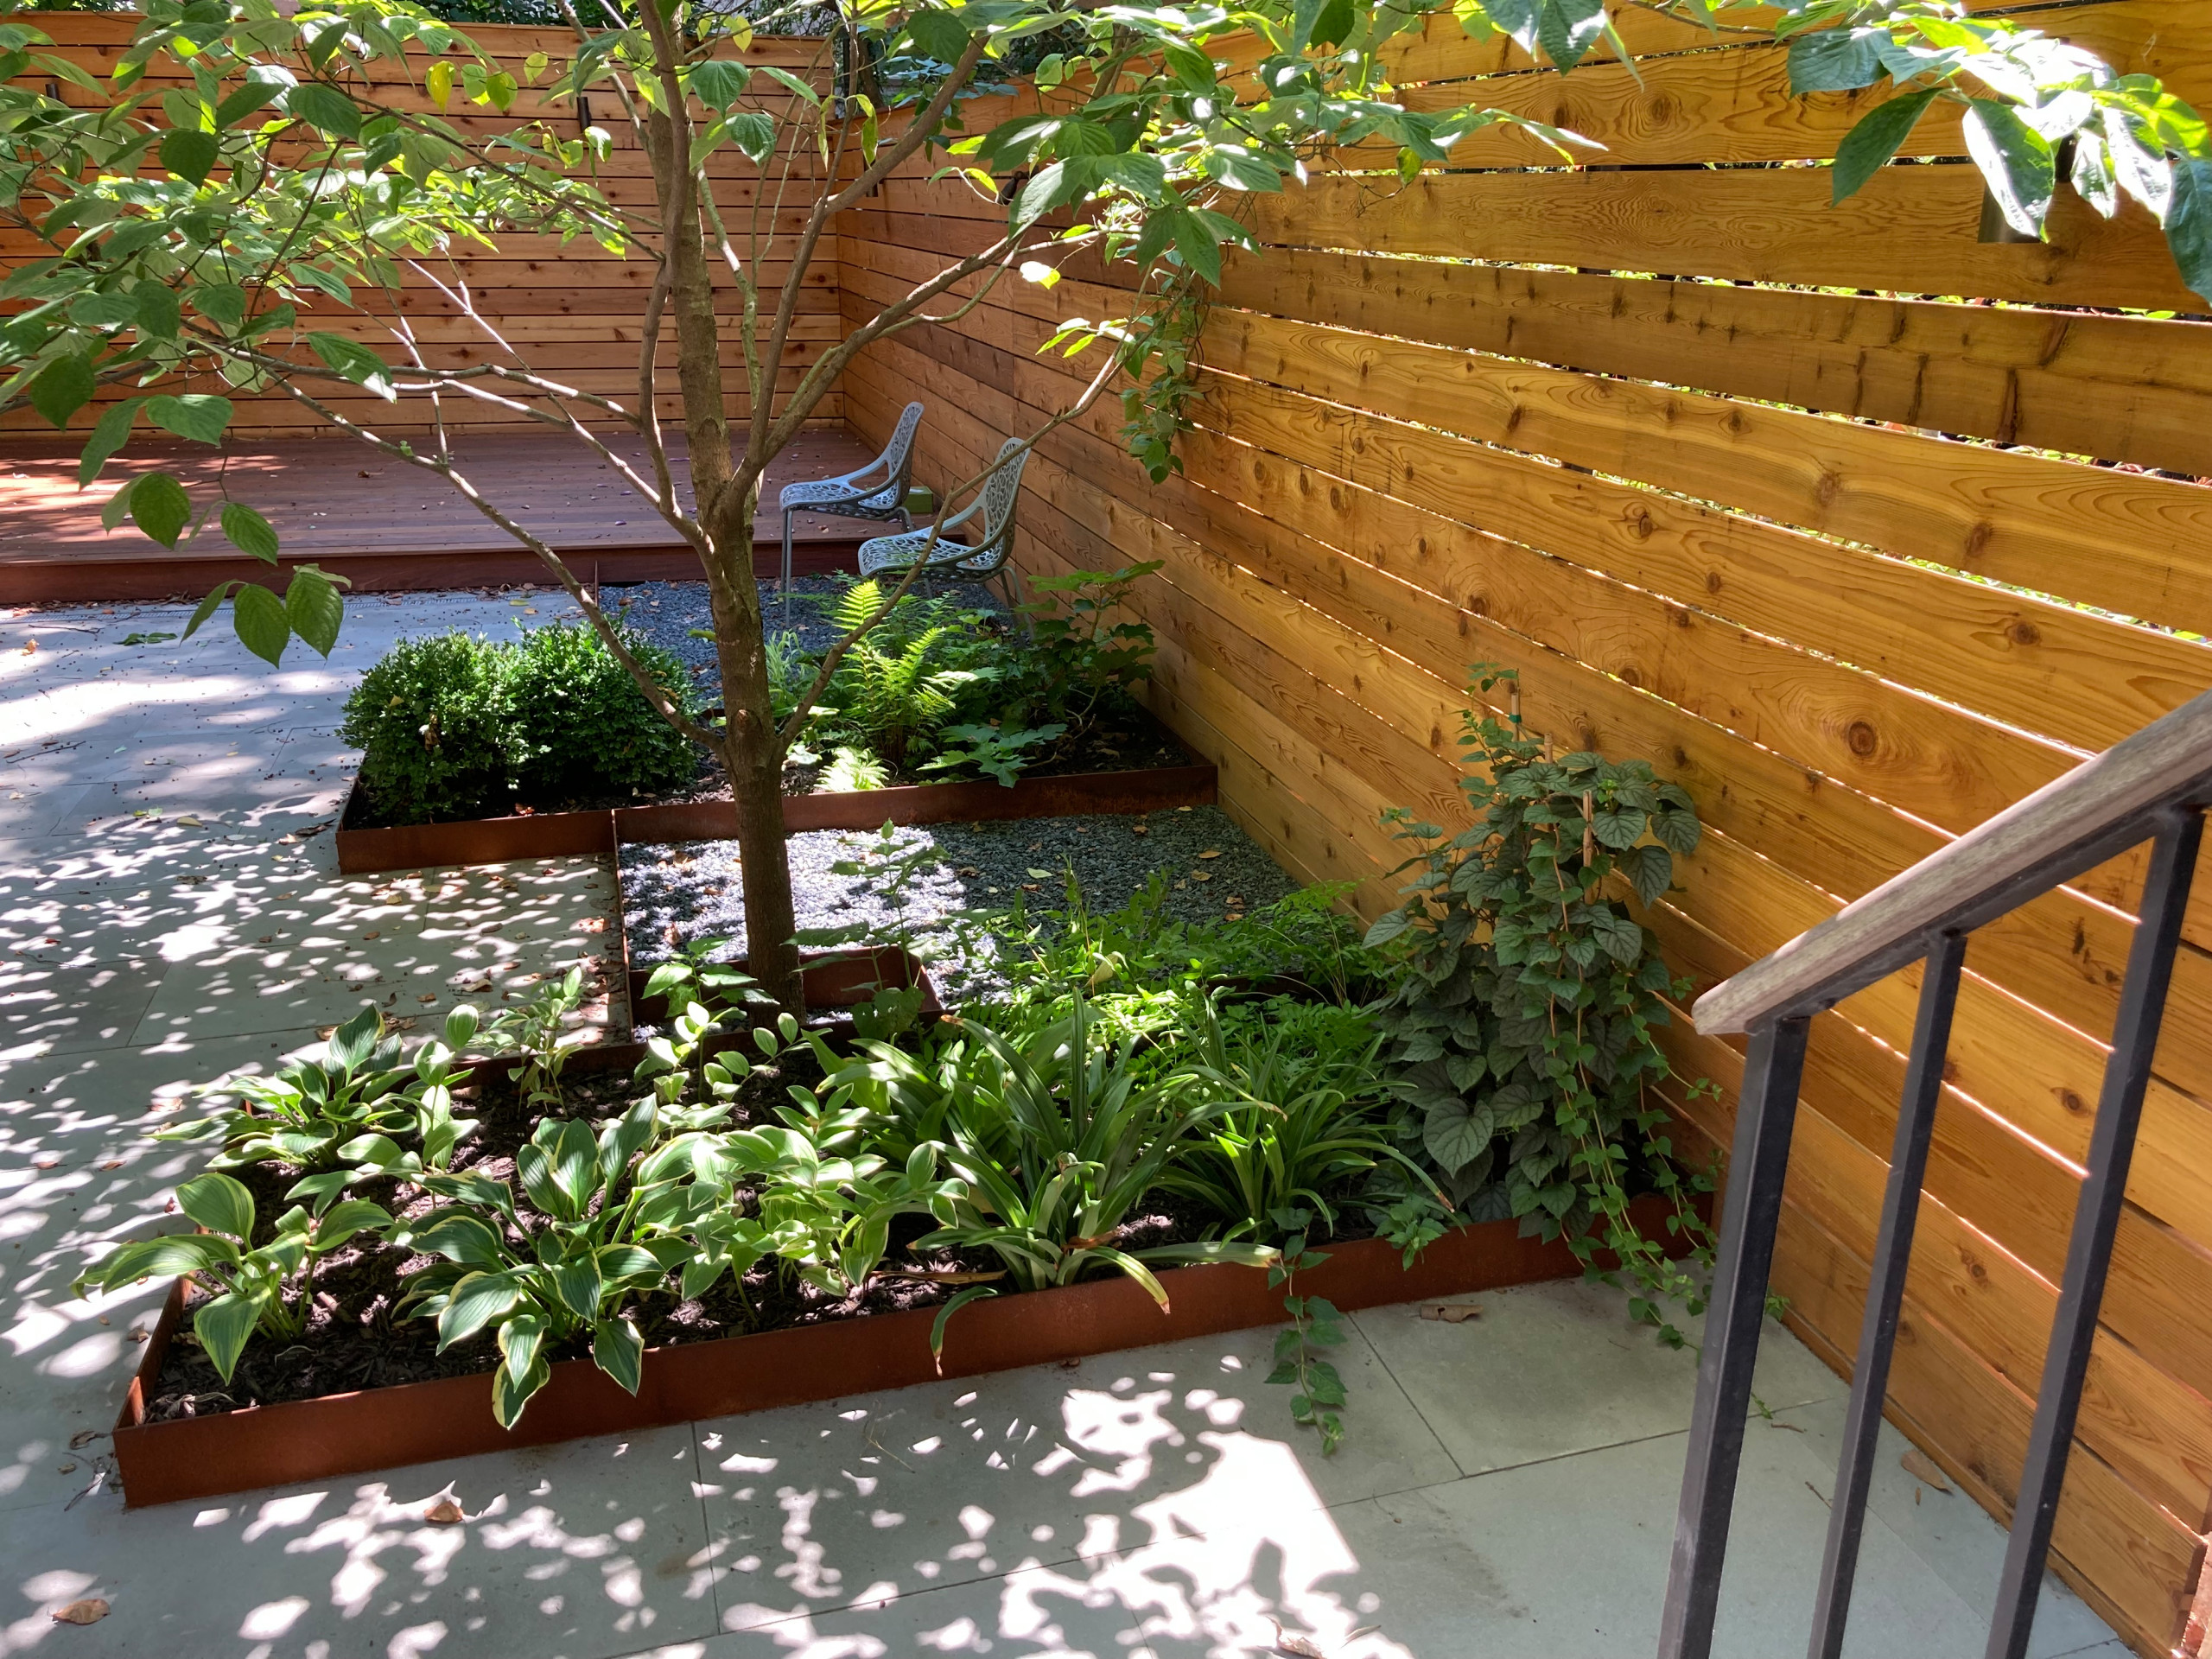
570, 311
1859, 526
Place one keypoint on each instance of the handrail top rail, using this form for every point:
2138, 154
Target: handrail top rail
2072, 823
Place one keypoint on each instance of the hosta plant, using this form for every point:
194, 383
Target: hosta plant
257, 1287
307, 1113
611, 1219
1521, 1023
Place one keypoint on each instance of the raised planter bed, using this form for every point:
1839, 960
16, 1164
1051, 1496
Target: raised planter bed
451, 1417
364, 851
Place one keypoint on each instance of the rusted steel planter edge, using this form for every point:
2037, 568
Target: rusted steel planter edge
451, 1417
554, 835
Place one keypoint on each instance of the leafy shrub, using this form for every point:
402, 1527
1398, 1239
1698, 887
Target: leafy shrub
581, 725
1522, 1022
454, 726
430, 720
1080, 664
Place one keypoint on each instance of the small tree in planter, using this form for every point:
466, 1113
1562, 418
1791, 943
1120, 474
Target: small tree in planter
245, 173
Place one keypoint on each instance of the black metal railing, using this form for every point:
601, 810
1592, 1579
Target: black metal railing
2153, 787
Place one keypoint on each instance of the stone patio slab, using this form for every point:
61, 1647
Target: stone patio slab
1555, 1369
818, 1507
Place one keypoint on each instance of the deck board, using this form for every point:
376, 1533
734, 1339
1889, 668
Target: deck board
384, 524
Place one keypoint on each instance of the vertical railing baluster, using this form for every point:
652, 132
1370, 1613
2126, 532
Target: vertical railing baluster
2096, 1218
1869, 1376
1766, 1112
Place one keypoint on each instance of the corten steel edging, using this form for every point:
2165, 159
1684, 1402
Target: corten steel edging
451, 1417
836, 980
550, 834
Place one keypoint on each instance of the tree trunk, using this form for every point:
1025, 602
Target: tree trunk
725, 497
752, 754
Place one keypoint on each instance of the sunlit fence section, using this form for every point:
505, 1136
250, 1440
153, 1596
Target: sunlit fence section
1860, 522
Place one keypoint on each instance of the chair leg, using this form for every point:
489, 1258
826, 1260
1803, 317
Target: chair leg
788, 567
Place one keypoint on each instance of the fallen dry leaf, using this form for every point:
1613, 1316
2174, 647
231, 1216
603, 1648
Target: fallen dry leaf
1138, 830
1211, 852
46, 1161
1452, 1313
191, 822
83, 1438
1201, 875
1298, 1647
444, 1513
1920, 1467
90, 1611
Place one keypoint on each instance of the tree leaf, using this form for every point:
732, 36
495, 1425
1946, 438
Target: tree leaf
109, 437
938, 34
1879, 134
2189, 222
207, 608
1834, 61
258, 616
249, 532
189, 153
355, 361
2016, 162
325, 108
62, 387
160, 506
198, 416
718, 82
313, 608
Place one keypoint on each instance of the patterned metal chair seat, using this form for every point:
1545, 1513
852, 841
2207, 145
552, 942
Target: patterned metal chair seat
953, 560
860, 494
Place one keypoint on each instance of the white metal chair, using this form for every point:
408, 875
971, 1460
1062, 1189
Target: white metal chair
860, 493
985, 561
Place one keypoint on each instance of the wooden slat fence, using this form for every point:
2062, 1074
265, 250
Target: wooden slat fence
1860, 528
570, 311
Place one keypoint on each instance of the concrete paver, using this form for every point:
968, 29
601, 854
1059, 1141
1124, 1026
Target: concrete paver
169, 912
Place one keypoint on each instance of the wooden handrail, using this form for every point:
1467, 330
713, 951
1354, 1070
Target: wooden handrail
2070, 825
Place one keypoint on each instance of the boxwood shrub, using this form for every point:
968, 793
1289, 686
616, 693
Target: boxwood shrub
457, 726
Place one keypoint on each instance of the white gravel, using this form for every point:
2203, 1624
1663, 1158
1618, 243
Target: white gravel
675, 895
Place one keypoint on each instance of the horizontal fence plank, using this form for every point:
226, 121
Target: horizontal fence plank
2122, 389
1734, 103
1914, 229
2021, 518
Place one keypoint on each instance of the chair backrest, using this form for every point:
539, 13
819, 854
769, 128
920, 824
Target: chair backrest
898, 454
1000, 495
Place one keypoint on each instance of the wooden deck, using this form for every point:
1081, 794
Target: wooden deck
384, 524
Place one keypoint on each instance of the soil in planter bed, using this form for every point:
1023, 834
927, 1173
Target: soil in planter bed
352, 1341
675, 895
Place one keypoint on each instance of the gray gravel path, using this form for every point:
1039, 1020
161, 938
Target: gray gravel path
666, 612
674, 895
